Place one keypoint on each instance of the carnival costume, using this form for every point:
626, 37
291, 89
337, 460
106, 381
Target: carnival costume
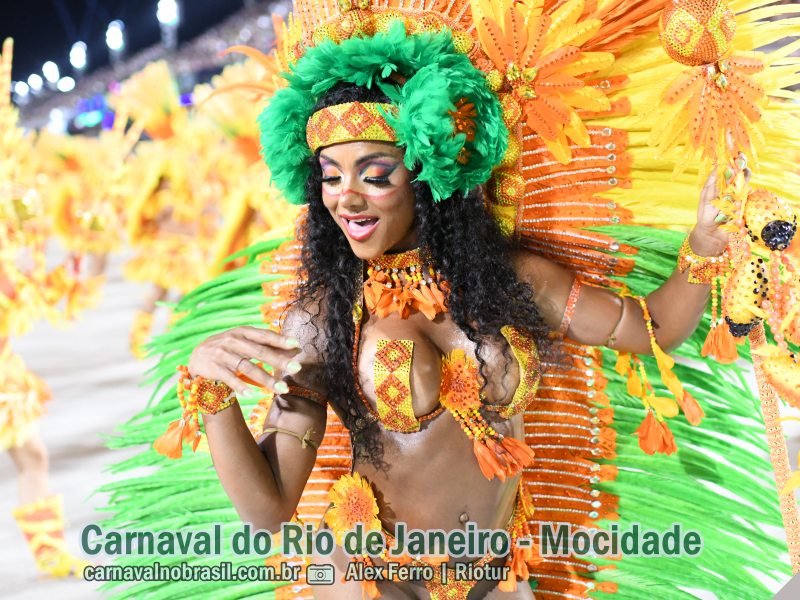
193, 190
588, 140
165, 218
255, 208
30, 290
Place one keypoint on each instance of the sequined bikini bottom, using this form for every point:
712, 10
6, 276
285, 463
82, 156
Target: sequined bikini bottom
454, 585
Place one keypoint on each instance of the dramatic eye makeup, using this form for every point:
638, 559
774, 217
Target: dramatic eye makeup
330, 171
373, 170
378, 173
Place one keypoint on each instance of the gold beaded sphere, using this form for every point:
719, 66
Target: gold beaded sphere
697, 32
507, 187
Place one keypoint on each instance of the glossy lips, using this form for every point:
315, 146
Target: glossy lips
359, 227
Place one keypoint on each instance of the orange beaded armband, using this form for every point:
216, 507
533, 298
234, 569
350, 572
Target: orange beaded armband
702, 269
569, 310
304, 392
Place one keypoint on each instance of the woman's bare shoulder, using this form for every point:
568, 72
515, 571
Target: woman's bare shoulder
306, 322
535, 269
550, 282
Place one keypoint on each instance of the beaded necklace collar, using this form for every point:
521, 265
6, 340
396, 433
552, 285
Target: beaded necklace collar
405, 282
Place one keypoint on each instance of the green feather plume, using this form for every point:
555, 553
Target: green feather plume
438, 77
719, 483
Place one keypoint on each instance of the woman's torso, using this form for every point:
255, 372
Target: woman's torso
432, 479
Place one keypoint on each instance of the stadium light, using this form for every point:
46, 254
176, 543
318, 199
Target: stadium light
21, 89
35, 82
78, 56
168, 14
115, 36
65, 84
51, 72
115, 40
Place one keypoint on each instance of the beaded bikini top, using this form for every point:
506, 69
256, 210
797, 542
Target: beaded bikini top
402, 283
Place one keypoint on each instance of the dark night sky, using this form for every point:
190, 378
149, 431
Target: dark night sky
46, 29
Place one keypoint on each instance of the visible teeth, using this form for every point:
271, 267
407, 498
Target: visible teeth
362, 221
360, 226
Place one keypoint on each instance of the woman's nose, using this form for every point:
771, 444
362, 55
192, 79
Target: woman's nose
352, 199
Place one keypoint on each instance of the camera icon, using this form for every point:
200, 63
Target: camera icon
319, 574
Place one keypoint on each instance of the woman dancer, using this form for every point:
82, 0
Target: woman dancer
423, 334
488, 306
29, 291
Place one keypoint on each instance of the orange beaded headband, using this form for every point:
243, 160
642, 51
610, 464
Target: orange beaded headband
349, 122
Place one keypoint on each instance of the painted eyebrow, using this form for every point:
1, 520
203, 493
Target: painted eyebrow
361, 160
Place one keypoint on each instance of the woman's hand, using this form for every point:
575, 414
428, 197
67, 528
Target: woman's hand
226, 355
707, 238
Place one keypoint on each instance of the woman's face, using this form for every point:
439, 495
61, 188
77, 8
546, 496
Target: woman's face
367, 189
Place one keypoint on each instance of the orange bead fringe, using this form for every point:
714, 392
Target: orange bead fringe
498, 455
401, 283
654, 433
205, 396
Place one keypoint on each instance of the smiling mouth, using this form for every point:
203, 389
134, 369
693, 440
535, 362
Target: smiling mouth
359, 228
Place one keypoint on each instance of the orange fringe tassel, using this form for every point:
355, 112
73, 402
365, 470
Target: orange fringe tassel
502, 459
522, 453
721, 345
655, 436
170, 443
691, 408
489, 461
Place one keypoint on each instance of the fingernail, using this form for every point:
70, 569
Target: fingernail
293, 342
728, 173
293, 367
281, 387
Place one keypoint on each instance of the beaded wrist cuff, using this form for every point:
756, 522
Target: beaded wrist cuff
208, 396
702, 269
214, 396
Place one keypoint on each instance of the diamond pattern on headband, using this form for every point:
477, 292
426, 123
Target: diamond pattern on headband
326, 123
356, 118
349, 122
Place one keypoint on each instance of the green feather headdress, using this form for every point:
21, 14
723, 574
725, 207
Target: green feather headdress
440, 81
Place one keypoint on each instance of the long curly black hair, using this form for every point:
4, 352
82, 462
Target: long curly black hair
463, 242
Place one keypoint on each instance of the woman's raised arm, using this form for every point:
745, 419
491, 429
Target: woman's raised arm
264, 479
598, 317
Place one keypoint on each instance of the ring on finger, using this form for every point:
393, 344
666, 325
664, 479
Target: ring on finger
721, 218
239, 364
